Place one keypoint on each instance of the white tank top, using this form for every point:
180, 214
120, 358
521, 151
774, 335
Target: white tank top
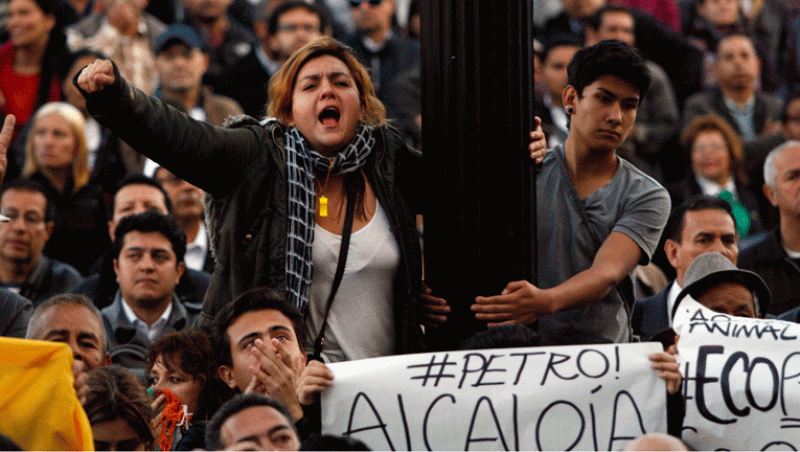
361, 320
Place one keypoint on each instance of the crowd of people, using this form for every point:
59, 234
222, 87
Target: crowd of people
210, 201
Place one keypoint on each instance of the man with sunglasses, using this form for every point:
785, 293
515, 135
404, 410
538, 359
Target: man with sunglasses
384, 51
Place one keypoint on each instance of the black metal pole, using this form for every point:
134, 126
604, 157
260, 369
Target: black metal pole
477, 108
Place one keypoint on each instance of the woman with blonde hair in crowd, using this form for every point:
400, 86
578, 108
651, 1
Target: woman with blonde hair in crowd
56, 156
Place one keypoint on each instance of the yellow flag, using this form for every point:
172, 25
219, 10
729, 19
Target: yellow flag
38, 406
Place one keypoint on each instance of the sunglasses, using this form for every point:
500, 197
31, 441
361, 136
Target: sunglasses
357, 3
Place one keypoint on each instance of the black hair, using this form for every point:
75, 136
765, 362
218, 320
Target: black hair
503, 336
82, 53
115, 393
610, 57
274, 16
253, 300
7, 443
235, 405
32, 186
317, 441
596, 19
152, 222
191, 351
677, 218
560, 40
140, 179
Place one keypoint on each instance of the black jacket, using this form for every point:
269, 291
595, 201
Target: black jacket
782, 275
244, 171
49, 277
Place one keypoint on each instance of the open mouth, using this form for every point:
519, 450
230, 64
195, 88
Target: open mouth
329, 117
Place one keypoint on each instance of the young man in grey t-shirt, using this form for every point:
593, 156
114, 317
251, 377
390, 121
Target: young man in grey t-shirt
575, 298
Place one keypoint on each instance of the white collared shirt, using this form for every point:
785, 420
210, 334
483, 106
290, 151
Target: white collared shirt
743, 116
711, 188
672, 295
153, 331
195, 257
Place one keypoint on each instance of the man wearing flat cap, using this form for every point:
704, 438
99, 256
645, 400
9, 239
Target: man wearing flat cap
716, 283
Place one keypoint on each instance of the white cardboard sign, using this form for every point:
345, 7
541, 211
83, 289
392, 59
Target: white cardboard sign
593, 397
741, 380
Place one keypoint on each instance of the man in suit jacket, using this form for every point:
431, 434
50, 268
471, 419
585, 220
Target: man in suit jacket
748, 110
149, 263
700, 225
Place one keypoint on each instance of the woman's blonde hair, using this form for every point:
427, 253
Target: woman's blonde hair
73, 117
715, 123
281, 85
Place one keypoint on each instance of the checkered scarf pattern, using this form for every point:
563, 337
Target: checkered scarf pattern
302, 165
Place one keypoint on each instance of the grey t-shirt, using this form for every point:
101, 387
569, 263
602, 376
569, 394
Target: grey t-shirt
631, 203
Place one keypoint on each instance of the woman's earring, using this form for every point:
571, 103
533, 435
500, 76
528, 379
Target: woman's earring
569, 110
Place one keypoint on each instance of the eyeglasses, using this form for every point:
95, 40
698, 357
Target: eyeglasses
29, 219
357, 3
291, 28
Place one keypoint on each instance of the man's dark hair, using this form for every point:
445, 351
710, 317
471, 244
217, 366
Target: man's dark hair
140, 179
235, 405
152, 222
610, 57
253, 300
85, 52
596, 19
560, 40
31, 186
317, 441
275, 15
677, 218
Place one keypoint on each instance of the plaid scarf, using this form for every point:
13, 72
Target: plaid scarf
302, 165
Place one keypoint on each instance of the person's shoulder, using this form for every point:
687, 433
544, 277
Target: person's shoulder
773, 103
238, 32
226, 103
403, 42
635, 175
154, 25
756, 250
12, 301
702, 97
64, 271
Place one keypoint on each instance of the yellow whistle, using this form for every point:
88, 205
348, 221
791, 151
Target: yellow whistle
323, 206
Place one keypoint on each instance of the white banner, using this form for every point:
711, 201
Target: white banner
593, 397
741, 380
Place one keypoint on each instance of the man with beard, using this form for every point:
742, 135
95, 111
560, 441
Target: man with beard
187, 204
149, 264
749, 111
